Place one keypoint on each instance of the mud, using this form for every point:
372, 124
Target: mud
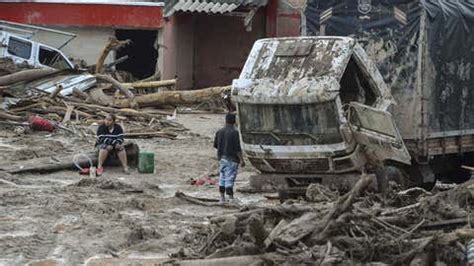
71, 218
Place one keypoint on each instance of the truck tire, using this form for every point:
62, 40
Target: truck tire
389, 173
421, 176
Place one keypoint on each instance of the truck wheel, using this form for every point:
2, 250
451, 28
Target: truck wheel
389, 173
421, 176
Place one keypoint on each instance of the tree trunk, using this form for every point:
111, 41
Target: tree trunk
174, 97
51, 164
150, 84
6, 116
26, 75
113, 44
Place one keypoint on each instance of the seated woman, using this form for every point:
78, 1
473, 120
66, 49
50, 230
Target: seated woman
109, 138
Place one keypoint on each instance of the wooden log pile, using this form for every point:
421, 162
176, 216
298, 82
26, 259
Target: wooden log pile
400, 227
88, 107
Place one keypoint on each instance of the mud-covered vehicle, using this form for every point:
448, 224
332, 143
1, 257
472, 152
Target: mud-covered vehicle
314, 109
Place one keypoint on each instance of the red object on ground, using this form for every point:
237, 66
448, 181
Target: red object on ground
84, 171
205, 180
41, 124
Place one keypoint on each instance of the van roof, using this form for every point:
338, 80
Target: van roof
295, 58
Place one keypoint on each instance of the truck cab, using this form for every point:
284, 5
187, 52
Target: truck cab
38, 55
314, 109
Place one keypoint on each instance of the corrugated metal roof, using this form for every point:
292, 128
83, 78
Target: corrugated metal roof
209, 6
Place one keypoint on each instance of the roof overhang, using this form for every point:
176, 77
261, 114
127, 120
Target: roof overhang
210, 6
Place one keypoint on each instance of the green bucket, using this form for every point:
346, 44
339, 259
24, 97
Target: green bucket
146, 162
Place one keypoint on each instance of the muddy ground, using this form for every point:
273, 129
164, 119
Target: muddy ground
71, 218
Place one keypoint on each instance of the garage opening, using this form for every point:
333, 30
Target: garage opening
142, 55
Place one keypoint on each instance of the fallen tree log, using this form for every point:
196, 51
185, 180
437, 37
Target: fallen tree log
151, 84
28, 107
26, 75
51, 164
125, 112
7, 116
174, 97
205, 202
112, 45
157, 134
124, 90
116, 62
97, 96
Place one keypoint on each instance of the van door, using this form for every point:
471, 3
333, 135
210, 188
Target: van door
377, 132
19, 50
50, 57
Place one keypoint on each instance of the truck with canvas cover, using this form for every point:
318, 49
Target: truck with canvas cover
424, 51
314, 109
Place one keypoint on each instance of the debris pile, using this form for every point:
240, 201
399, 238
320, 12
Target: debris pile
71, 98
399, 227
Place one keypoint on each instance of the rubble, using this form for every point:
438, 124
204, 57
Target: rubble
357, 227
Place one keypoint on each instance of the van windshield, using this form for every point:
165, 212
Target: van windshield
289, 125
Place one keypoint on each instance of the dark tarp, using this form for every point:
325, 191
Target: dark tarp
389, 32
450, 28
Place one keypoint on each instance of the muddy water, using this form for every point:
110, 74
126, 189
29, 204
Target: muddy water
64, 217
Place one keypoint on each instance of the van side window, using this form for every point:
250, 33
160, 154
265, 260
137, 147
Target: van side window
20, 48
51, 58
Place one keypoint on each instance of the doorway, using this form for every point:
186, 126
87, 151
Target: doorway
142, 55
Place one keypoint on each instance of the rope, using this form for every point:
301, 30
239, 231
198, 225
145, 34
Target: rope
75, 160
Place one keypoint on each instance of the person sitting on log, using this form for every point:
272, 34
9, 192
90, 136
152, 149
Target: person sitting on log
109, 138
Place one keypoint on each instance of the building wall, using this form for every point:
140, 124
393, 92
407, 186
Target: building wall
178, 39
221, 52
288, 17
205, 50
87, 45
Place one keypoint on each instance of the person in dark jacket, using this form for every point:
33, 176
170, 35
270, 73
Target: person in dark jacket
229, 154
109, 138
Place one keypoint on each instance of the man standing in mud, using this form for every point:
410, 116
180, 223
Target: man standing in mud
229, 154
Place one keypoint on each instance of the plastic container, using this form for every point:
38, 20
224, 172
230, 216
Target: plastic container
146, 162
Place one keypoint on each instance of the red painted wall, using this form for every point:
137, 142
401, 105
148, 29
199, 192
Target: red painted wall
91, 15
